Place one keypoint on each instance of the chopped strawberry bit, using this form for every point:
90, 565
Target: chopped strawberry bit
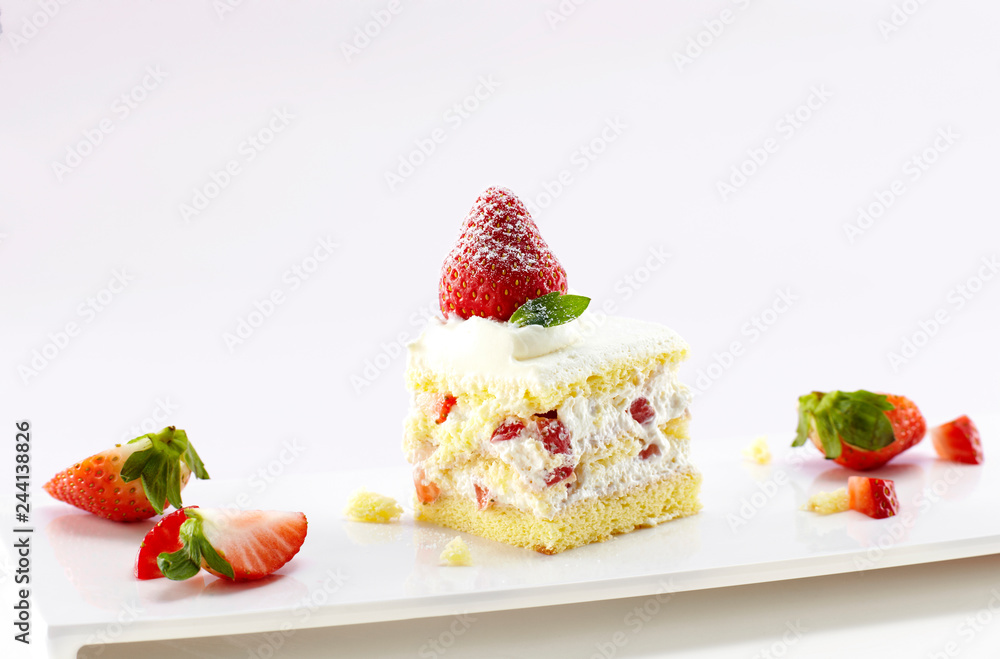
483, 497
551, 414
649, 452
875, 497
958, 441
558, 475
507, 430
427, 491
641, 410
555, 437
444, 407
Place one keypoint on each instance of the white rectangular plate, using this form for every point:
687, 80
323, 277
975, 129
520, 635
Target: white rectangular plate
749, 531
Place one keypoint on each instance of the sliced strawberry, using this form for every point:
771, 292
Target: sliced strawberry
444, 407
499, 262
133, 481
239, 545
164, 537
859, 430
875, 497
648, 452
641, 411
483, 497
427, 491
551, 414
558, 475
507, 430
958, 441
555, 436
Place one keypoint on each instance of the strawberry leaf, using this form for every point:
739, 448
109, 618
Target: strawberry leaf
550, 310
807, 404
155, 481
186, 561
860, 419
857, 418
158, 466
190, 457
178, 565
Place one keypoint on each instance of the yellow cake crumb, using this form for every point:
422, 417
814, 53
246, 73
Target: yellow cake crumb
826, 503
456, 553
758, 451
365, 506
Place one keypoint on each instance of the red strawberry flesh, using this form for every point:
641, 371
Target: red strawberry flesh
507, 430
483, 497
649, 452
257, 543
958, 441
427, 491
555, 436
875, 497
641, 410
447, 402
164, 537
499, 262
558, 475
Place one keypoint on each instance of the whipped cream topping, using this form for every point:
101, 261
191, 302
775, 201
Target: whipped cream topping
480, 344
507, 361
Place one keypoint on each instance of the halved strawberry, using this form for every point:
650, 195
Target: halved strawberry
875, 497
859, 430
499, 262
105, 483
164, 537
239, 545
958, 441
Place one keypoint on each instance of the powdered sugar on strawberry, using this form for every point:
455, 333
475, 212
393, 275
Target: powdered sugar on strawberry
499, 262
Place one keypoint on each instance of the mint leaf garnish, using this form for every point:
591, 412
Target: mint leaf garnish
550, 310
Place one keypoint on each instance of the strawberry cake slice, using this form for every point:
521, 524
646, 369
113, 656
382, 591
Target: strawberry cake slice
533, 423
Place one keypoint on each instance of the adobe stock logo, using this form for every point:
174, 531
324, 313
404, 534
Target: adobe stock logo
913, 169
455, 116
956, 299
371, 30
121, 109
88, 311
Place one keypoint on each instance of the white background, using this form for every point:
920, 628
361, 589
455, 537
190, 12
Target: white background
160, 343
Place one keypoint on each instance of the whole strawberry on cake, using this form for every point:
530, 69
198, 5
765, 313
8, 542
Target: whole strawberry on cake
532, 423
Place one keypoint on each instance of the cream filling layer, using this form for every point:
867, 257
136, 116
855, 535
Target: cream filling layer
603, 463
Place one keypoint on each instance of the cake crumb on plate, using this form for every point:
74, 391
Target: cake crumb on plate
456, 553
365, 506
758, 451
826, 503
